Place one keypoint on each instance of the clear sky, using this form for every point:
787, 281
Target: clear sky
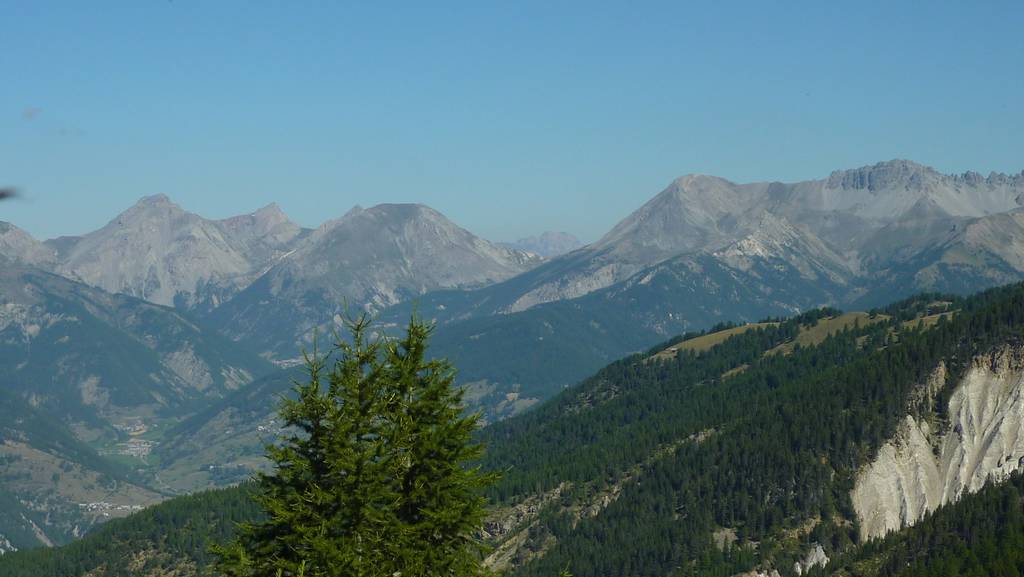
510, 117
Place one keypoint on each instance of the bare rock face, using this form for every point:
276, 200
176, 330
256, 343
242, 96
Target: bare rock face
816, 557
596, 275
887, 190
776, 239
884, 176
158, 252
922, 469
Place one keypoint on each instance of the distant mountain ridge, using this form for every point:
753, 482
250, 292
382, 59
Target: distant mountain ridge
367, 260
864, 226
547, 244
703, 250
157, 251
285, 278
840, 214
857, 237
19, 246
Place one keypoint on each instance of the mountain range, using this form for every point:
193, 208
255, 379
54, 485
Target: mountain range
158, 252
706, 250
861, 236
854, 229
155, 338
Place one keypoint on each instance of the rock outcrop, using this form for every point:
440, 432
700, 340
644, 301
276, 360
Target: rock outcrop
926, 466
816, 557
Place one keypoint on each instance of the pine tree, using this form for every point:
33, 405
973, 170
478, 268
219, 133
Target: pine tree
375, 478
441, 499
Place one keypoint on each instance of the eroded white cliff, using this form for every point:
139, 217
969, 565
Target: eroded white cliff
816, 557
922, 469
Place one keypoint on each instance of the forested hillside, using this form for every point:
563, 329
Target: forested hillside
651, 460
736, 455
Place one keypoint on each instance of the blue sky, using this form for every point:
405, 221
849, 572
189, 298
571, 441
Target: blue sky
510, 117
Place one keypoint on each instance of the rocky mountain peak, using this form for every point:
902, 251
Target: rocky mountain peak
268, 224
18, 245
688, 214
157, 251
157, 206
386, 214
886, 191
698, 182
1001, 179
398, 212
271, 212
415, 229
909, 175
888, 175
372, 259
157, 201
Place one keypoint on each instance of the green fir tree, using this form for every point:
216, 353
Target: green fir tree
375, 479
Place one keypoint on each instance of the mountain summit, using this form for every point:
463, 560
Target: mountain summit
692, 213
19, 246
368, 259
157, 251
